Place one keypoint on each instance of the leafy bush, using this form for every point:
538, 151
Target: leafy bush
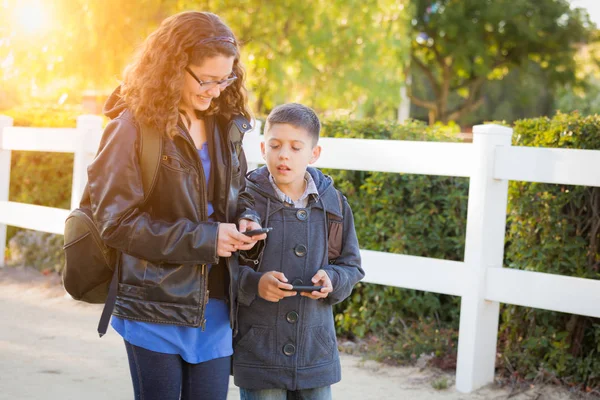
553, 229
550, 228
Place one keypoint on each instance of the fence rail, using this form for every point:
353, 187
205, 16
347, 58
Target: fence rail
490, 162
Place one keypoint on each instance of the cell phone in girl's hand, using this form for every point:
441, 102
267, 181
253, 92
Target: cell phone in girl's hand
257, 231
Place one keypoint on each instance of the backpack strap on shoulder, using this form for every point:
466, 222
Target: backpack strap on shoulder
150, 154
335, 228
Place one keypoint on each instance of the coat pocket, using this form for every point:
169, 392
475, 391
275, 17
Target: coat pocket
318, 346
257, 346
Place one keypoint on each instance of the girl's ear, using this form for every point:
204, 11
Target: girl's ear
316, 153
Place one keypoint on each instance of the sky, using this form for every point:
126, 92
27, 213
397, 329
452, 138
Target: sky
592, 7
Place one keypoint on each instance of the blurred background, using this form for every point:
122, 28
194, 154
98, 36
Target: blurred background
466, 61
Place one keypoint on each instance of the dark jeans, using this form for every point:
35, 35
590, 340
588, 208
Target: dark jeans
159, 376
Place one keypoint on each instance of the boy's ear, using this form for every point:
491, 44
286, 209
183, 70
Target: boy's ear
316, 153
262, 149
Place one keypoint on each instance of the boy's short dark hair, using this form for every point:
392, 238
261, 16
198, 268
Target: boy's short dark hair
297, 115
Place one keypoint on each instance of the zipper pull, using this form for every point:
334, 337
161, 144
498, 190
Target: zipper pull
203, 324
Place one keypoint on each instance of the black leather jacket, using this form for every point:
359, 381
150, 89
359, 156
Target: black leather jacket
165, 244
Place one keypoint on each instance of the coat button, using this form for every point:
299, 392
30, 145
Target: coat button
297, 282
289, 349
291, 317
302, 215
300, 250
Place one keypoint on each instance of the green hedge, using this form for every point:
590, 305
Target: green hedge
553, 229
550, 228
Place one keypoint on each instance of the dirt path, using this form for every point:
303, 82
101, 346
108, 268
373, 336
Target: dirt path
49, 350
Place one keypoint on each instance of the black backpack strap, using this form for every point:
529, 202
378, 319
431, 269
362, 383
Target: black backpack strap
109, 304
151, 151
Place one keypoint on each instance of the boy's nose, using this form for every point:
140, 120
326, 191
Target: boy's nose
284, 153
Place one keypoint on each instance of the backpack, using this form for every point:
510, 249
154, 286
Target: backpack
335, 228
90, 272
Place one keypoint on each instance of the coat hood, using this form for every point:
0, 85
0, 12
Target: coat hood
114, 105
328, 199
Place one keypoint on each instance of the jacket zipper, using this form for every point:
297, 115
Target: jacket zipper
203, 216
203, 308
232, 313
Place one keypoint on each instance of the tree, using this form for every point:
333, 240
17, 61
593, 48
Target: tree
461, 45
342, 56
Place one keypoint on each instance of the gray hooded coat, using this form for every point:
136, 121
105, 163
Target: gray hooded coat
291, 344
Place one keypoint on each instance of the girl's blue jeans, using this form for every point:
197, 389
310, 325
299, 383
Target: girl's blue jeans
159, 376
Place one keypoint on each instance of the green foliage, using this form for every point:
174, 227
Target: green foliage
460, 45
554, 229
332, 55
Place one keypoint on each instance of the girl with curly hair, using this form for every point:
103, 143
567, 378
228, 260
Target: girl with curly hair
177, 246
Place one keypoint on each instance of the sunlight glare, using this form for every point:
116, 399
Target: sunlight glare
31, 16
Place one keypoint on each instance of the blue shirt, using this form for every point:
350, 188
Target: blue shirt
193, 345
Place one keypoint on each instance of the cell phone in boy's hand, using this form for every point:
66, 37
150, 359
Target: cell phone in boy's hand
257, 231
303, 288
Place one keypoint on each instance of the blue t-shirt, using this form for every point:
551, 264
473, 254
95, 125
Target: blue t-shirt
193, 345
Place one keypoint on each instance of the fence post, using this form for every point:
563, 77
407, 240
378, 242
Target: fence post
484, 248
87, 126
251, 144
5, 122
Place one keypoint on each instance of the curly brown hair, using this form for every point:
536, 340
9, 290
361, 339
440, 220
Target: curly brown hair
152, 82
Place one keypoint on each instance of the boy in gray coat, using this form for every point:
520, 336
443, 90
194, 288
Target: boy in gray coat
286, 345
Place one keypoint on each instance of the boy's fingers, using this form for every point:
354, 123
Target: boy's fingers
284, 286
319, 276
280, 276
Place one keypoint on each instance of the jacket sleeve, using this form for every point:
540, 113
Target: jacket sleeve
116, 197
347, 270
248, 285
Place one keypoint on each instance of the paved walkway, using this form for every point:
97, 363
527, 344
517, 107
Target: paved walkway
49, 350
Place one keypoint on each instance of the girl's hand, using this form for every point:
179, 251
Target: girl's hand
230, 240
248, 225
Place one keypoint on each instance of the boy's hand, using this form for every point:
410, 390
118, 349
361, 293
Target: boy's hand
248, 225
230, 240
320, 279
272, 286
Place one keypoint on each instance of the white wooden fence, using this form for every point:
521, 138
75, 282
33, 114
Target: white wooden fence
482, 282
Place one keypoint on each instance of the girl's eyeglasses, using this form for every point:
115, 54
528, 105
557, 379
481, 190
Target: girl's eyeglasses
211, 84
